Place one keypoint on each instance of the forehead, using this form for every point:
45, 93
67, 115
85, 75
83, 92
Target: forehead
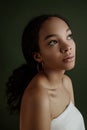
53, 25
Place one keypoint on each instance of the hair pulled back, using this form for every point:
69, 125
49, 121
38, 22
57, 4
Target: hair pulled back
24, 74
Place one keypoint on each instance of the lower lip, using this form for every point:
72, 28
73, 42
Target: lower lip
68, 60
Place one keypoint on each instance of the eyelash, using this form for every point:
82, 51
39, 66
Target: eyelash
70, 35
52, 42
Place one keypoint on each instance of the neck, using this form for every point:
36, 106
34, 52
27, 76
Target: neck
54, 76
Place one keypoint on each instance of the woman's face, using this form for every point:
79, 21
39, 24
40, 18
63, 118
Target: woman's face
57, 48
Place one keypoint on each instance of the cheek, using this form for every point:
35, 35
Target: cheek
51, 59
74, 47
47, 57
45, 52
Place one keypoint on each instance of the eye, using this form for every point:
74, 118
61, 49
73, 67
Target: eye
69, 37
52, 42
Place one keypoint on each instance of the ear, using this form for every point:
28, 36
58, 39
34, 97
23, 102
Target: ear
37, 57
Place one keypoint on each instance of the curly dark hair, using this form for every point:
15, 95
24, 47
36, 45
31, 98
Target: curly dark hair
23, 75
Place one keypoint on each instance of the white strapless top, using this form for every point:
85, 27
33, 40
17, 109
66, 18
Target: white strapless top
70, 119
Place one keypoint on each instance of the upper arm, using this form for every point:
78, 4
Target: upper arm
35, 112
69, 87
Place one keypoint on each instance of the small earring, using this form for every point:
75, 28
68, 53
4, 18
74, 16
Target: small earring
40, 67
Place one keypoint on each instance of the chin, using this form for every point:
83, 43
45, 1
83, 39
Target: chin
69, 67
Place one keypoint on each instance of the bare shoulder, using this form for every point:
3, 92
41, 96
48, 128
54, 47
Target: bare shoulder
36, 94
35, 109
68, 85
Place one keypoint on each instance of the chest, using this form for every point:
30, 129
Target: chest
59, 99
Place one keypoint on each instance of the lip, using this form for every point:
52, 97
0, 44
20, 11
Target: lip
69, 59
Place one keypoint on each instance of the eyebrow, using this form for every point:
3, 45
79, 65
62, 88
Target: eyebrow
54, 35
68, 29
51, 35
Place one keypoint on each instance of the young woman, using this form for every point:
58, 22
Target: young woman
40, 90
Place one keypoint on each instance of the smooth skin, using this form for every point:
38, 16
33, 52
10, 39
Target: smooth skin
50, 91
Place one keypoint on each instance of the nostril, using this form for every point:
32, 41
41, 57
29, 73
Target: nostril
70, 48
66, 50
63, 50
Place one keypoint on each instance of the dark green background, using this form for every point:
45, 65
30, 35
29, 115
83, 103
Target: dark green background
14, 15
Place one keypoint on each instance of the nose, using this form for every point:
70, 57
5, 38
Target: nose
66, 49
